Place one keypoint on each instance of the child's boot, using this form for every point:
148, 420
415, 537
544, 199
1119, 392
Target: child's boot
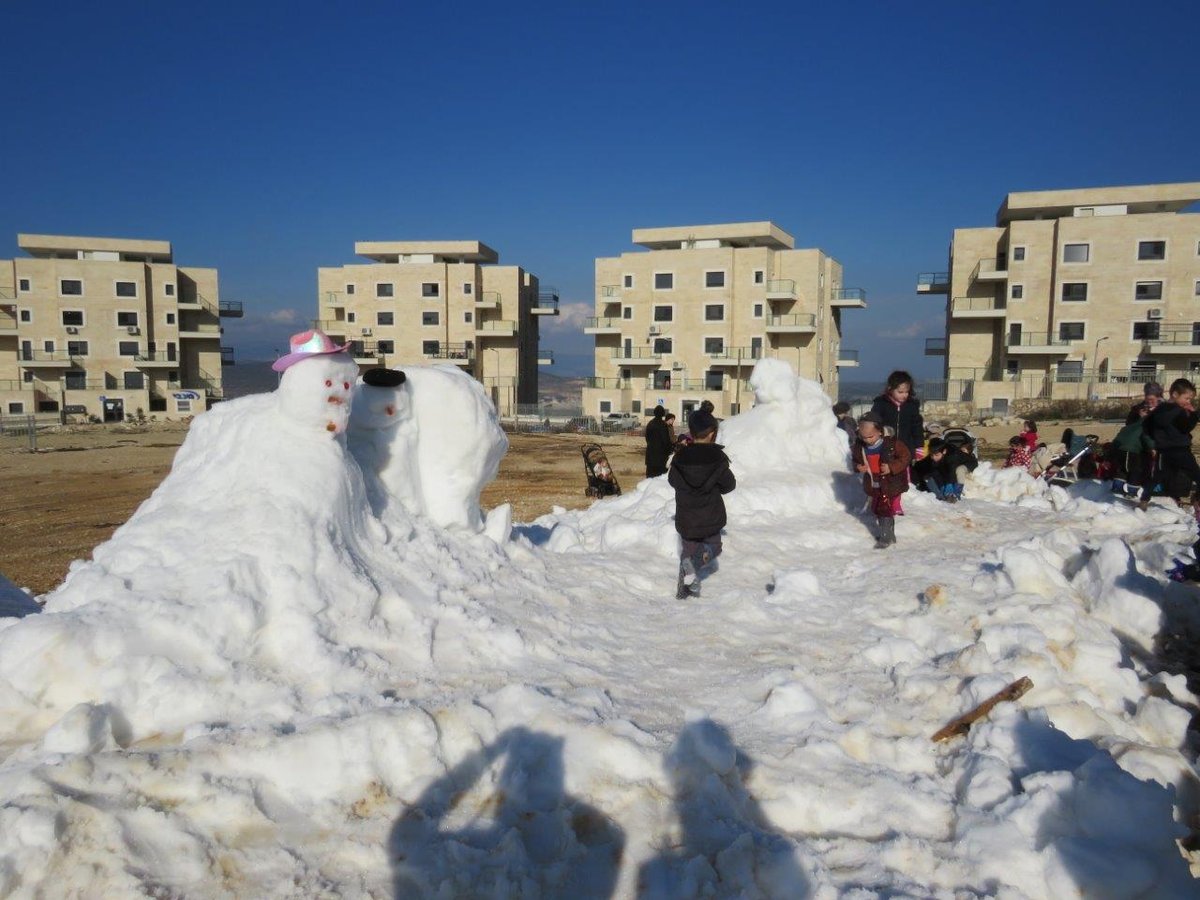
887, 533
688, 584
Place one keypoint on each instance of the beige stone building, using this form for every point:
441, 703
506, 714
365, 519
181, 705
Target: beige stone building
686, 321
1072, 294
428, 302
107, 327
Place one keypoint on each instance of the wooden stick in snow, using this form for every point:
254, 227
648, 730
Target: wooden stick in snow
963, 723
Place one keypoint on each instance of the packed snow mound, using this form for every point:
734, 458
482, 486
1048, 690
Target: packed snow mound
15, 602
430, 445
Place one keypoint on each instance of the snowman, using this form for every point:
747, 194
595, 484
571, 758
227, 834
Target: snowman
427, 439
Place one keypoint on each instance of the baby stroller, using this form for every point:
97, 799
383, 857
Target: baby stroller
601, 480
960, 439
1078, 462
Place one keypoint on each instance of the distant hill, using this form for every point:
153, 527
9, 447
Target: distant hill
559, 390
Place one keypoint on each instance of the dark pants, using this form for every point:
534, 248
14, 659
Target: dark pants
1173, 465
710, 545
653, 470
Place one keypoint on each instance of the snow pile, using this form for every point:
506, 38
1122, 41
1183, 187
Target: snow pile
15, 602
281, 678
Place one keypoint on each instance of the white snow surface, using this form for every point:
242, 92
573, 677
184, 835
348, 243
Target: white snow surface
258, 687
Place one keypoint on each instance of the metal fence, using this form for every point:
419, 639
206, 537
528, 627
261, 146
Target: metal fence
546, 418
21, 427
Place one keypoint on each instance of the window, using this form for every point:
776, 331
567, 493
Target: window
1145, 331
1070, 331
1012, 368
430, 348
636, 406
350, 290
1074, 291
387, 348
468, 317
72, 317
1197, 294
1147, 290
605, 406
158, 404
23, 285
430, 318
664, 314
70, 287
1152, 250
27, 314
714, 380
126, 319
128, 348
758, 310
1070, 370
134, 381
1077, 253
75, 380
126, 288
351, 317
384, 289
714, 345
714, 279
170, 318
628, 281
627, 374
183, 405
756, 348
663, 345
758, 276
468, 289
430, 289
662, 380
627, 312
385, 318
1018, 292
48, 346
714, 312
77, 348
15, 408
664, 281
1018, 254
169, 290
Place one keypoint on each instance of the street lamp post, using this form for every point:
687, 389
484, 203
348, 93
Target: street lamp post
1096, 363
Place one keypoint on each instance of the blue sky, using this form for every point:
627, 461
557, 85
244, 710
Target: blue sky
265, 138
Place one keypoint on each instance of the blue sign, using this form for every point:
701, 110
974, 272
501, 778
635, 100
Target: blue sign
186, 395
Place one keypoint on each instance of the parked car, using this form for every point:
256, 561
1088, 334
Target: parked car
620, 421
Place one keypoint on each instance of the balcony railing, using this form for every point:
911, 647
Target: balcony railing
736, 354
976, 304
933, 282
990, 267
781, 288
7, 293
850, 356
496, 325
602, 322
460, 352
547, 302
156, 358
228, 356
334, 298
48, 356
935, 346
1188, 336
848, 297
230, 309
8, 320
608, 383
488, 299
357, 350
93, 384
798, 320
636, 353
330, 326
611, 291
1036, 339
545, 357
686, 384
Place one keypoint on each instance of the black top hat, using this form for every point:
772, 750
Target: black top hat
383, 377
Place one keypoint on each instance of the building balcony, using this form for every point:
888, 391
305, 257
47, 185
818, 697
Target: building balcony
200, 332
230, 309
91, 384
8, 320
781, 289
547, 303
636, 356
496, 328
1037, 343
935, 346
156, 360
488, 300
847, 359
47, 359
800, 323
596, 325
1182, 342
228, 356
458, 354
331, 326
933, 283
977, 308
611, 293
361, 352
735, 356
335, 300
545, 357
990, 269
849, 298
612, 384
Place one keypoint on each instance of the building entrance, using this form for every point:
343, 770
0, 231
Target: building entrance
114, 410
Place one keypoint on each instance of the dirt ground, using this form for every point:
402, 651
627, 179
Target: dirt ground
59, 503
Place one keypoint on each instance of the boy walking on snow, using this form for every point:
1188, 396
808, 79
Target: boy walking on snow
883, 462
700, 474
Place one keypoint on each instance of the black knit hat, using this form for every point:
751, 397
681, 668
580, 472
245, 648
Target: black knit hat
701, 422
659, 411
383, 377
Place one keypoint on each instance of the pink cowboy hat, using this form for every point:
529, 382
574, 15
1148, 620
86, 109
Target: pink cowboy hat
307, 344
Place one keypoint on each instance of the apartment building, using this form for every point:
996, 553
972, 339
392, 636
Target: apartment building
684, 319
429, 302
107, 327
1072, 294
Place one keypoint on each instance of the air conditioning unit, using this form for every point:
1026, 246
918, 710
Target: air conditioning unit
1154, 314
366, 332
71, 329
678, 367
133, 329
654, 329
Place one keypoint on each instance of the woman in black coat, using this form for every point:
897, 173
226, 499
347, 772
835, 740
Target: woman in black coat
899, 409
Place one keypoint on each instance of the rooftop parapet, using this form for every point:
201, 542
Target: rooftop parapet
736, 234
52, 245
1138, 198
433, 251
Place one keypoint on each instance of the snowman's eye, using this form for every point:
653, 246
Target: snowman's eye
346, 385
328, 383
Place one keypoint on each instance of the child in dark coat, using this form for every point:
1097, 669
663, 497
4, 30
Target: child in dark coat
883, 462
700, 474
1169, 426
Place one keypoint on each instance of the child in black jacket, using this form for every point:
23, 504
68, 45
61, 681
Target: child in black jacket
700, 474
1169, 426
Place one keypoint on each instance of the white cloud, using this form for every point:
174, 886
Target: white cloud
284, 317
921, 328
570, 317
